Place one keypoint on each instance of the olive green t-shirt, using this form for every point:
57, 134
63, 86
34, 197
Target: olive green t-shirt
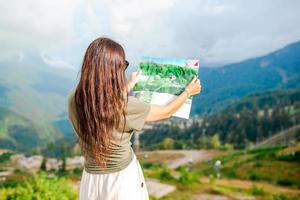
122, 153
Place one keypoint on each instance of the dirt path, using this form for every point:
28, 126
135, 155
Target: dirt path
176, 158
209, 197
220, 197
157, 189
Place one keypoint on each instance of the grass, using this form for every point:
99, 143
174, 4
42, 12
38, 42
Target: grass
257, 165
256, 191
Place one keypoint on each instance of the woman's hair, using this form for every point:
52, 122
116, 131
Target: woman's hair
101, 97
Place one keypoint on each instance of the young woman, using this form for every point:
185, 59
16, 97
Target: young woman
104, 117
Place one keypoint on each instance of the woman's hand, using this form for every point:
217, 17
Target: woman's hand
158, 112
132, 81
133, 77
194, 87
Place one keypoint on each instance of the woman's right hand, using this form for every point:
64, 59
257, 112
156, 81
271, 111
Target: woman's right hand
158, 112
194, 87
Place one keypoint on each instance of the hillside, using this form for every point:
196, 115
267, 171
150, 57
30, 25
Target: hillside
34, 91
221, 86
19, 133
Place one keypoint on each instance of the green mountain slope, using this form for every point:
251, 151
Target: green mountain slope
34, 89
37, 92
19, 133
279, 69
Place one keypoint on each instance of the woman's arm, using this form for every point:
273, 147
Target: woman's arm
158, 112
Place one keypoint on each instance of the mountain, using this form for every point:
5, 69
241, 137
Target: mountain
34, 89
18, 132
220, 86
36, 93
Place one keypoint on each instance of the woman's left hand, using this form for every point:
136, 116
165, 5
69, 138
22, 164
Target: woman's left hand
132, 81
133, 78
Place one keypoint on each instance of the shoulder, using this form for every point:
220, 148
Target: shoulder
70, 95
70, 99
70, 103
71, 110
137, 111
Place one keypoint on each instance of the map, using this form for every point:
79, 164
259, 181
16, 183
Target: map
162, 79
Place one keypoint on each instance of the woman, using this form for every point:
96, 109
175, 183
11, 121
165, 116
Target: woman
104, 118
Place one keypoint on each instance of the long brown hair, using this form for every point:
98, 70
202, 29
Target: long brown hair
100, 97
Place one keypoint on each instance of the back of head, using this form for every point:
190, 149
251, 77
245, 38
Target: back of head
101, 96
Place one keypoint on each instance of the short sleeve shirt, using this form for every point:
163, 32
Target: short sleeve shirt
122, 153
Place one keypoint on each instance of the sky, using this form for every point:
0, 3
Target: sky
216, 32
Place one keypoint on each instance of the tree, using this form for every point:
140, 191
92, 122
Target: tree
43, 165
215, 142
168, 143
203, 142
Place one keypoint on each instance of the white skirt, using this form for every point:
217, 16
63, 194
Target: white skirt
127, 184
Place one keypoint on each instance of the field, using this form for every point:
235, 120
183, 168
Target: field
266, 173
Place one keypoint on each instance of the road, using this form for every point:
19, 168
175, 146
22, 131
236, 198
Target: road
176, 158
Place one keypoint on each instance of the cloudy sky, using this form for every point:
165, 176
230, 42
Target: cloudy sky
214, 31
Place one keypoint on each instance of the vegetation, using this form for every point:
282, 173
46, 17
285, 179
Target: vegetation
187, 177
39, 186
5, 157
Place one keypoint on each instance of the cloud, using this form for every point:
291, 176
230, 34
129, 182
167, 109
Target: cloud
40, 25
212, 30
55, 62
